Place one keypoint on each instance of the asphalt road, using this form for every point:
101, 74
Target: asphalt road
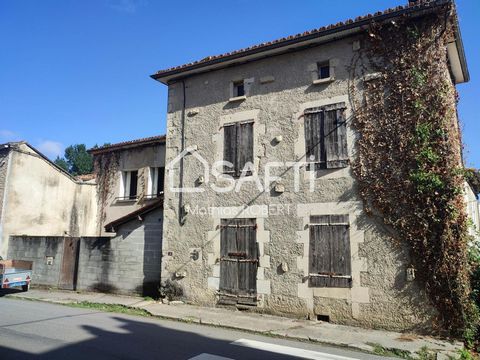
35, 330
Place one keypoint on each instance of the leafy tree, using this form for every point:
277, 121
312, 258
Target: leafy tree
61, 162
76, 160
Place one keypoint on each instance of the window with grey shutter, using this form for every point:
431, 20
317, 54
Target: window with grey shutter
238, 146
329, 258
326, 136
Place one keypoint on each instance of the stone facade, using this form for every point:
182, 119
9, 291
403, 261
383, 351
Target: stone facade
280, 88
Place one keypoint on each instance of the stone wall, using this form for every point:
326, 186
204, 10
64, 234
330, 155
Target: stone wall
280, 89
127, 263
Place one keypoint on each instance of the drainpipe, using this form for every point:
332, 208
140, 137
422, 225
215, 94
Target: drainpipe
182, 148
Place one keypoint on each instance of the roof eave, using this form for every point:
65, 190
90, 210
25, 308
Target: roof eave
165, 77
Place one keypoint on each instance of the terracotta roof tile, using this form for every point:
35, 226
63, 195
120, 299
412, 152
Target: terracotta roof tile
130, 143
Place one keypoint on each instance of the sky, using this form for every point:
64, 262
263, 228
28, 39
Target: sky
77, 71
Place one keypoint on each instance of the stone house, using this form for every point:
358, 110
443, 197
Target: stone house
298, 241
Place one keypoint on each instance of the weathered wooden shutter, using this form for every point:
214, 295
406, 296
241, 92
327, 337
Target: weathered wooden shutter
245, 142
238, 146
335, 136
230, 147
239, 258
329, 261
314, 137
325, 136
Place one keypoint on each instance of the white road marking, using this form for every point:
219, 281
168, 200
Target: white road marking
287, 350
205, 356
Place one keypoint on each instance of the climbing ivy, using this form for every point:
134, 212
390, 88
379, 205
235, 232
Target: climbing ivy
409, 164
105, 167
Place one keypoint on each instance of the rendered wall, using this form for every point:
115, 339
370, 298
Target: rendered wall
41, 200
139, 158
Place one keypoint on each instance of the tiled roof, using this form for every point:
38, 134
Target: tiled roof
128, 144
324, 30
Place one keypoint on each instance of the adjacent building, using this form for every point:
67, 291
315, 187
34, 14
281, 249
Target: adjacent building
104, 233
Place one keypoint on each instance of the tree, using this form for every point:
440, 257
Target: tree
76, 160
61, 162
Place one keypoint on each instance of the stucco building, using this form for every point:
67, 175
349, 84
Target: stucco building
301, 243
38, 198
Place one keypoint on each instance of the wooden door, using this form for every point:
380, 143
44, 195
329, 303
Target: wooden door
238, 261
69, 269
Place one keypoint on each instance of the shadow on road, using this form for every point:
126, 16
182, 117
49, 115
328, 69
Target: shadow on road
141, 340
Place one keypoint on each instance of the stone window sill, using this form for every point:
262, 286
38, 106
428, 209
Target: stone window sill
237, 98
323, 81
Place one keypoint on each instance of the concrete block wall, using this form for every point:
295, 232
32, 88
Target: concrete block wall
129, 262
126, 263
38, 249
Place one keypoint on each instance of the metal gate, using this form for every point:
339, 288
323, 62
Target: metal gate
238, 262
69, 270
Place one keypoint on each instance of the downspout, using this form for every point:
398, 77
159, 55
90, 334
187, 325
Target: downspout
181, 217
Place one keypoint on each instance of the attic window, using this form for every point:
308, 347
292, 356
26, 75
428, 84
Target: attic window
238, 88
323, 70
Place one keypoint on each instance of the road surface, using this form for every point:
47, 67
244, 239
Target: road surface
36, 330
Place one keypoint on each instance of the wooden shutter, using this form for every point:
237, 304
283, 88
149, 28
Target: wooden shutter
335, 136
238, 146
238, 257
314, 137
245, 145
329, 261
326, 136
230, 147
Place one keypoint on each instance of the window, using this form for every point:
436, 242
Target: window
329, 259
238, 146
326, 137
238, 88
129, 185
323, 70
156, 182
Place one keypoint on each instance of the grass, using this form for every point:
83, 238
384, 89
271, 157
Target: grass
114, 308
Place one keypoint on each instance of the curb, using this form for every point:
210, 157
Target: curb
281, 334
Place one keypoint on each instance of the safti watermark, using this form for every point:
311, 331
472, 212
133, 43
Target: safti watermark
223, 182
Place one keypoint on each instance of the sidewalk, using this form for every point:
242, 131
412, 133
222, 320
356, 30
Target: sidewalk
340, 335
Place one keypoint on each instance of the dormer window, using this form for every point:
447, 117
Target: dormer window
238, 88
